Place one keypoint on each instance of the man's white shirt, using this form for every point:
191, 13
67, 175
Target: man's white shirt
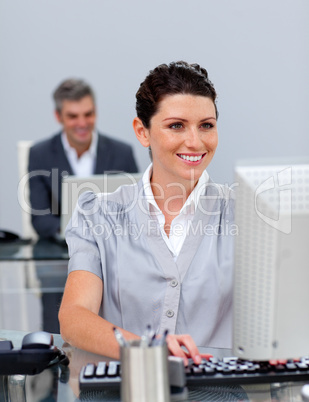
85, 164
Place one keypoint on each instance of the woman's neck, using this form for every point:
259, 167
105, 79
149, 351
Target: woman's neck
171, 196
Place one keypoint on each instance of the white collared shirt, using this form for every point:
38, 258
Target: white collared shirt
85, 164
179, 225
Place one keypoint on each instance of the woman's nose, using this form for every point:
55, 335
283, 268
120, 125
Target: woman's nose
193, 139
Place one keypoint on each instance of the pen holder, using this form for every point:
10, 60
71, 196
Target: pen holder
144, 373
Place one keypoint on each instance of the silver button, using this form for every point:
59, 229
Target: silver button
174, 283
170, 313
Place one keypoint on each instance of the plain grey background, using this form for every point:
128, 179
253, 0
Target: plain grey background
256, 53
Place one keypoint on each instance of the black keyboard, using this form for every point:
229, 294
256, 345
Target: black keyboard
225, 371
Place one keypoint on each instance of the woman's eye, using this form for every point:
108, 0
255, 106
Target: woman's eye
176, 126
207, 126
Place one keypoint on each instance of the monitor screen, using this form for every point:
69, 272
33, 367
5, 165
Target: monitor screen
271, 273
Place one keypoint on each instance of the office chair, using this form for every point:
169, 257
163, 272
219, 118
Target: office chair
21, 310
23, 148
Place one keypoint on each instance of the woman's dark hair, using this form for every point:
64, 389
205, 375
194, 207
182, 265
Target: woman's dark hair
176, 78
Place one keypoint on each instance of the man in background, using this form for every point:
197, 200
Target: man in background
79, 149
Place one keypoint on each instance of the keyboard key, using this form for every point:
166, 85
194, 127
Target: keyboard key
280, 368
197, 370
228, 370
232, 360
89, 370
302, 366
112, 369
209, 371
291, 366
101, 369
242, 368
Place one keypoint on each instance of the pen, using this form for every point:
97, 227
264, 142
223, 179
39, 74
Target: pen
159, 341
146, 337
163, 338
153, 339
144, 340
119, 337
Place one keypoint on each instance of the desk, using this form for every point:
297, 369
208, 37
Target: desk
42, 250
32, 279
62, 385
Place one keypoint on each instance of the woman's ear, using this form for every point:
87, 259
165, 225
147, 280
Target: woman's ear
141, 132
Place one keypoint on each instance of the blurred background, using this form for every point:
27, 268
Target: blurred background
256, 53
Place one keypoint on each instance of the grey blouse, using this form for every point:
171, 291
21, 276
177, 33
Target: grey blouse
115, 237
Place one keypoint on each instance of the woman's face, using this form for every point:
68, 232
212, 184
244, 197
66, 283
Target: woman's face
183, 138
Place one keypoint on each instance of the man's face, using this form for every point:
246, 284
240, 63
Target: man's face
78, 121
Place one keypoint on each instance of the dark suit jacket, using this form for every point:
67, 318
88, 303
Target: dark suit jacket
48, 163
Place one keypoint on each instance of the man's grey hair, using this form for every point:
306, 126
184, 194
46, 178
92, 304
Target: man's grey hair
73, 90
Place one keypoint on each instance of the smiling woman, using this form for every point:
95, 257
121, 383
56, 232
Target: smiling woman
174, 275
183, 138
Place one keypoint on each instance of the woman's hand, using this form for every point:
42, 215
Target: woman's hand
175, 343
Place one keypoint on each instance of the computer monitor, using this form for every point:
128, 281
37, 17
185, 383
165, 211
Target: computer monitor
72, 187
271, 279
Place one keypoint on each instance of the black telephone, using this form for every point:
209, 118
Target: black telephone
6, 237
36, 354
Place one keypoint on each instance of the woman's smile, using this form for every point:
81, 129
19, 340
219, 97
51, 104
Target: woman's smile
194, 159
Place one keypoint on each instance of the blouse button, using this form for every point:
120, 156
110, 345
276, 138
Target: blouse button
170, 313
174, 283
